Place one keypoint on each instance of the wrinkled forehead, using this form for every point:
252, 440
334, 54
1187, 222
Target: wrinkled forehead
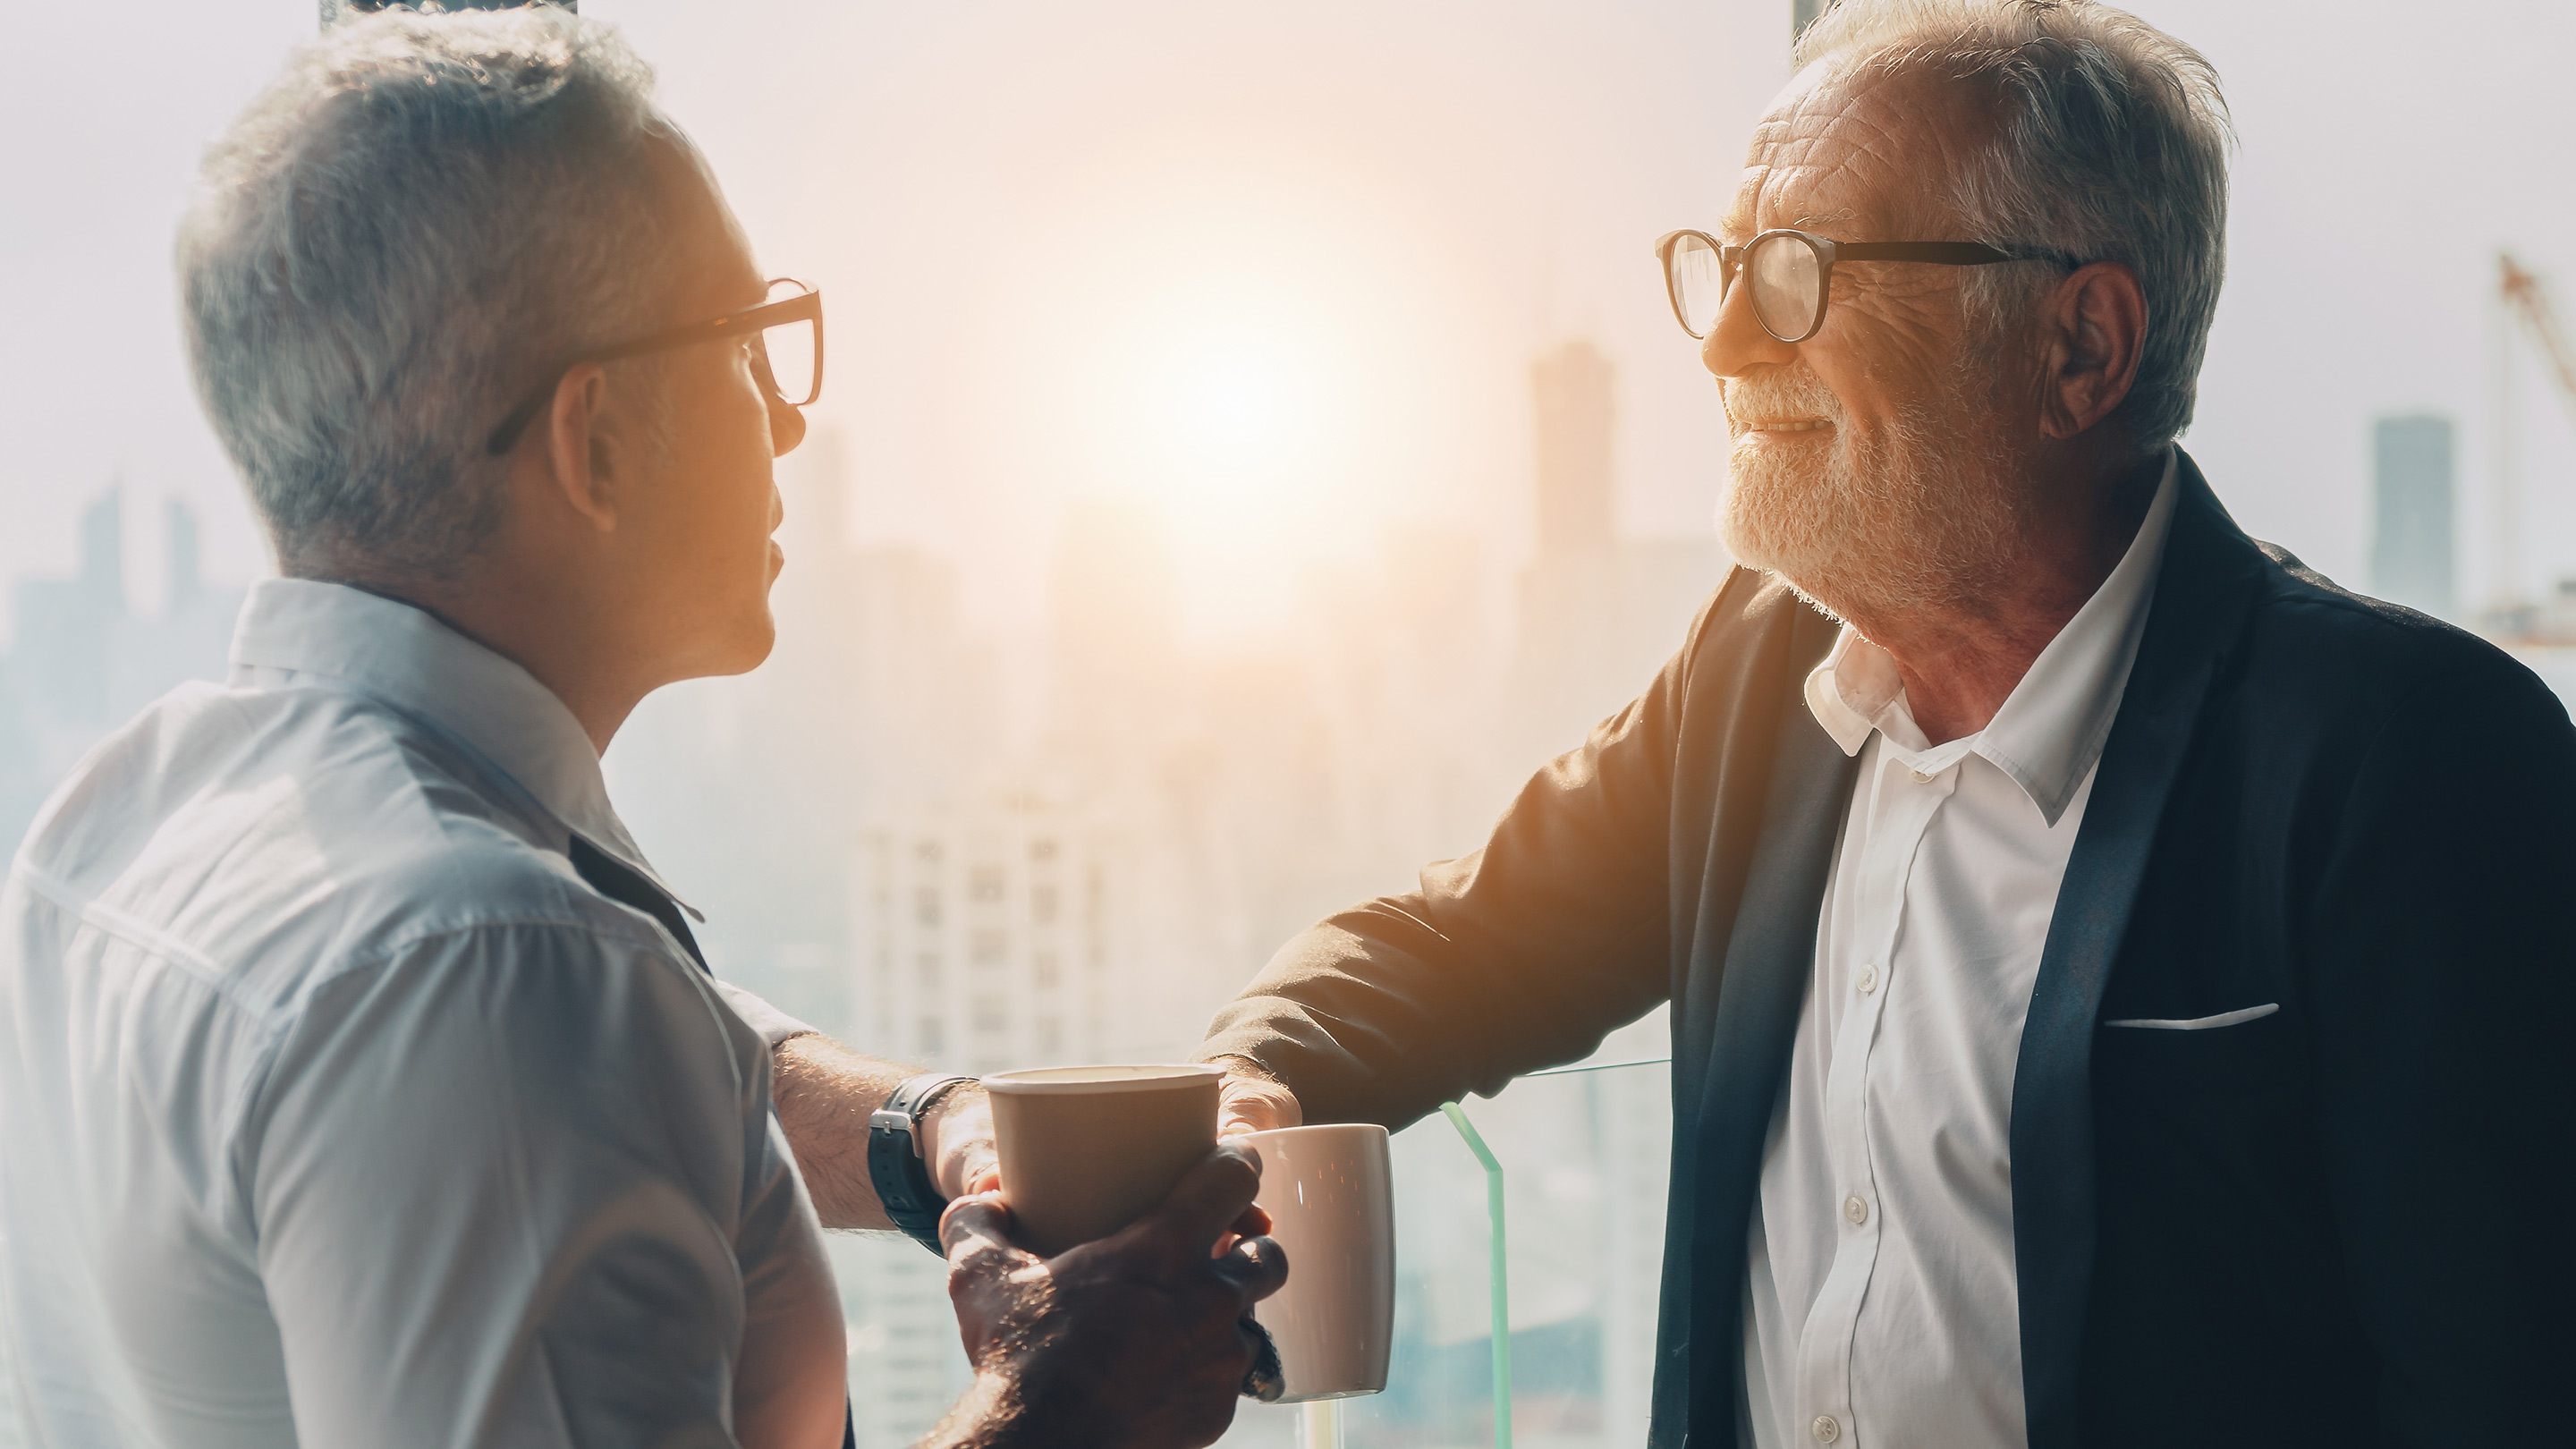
1856, 157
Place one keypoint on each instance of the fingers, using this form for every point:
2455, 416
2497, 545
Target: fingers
1248, 1103
974, 1228
1197, 1211
958, 1132
1257, 1267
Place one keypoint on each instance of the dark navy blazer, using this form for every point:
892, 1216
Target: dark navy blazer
2343, 1223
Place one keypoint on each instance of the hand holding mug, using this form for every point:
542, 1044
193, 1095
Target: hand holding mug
1136, 1339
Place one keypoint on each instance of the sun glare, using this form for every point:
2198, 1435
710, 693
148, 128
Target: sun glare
1230, 407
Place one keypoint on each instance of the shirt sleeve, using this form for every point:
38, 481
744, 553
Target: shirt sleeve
774, 1025
521, 1184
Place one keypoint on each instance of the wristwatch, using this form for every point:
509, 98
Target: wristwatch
895, 1166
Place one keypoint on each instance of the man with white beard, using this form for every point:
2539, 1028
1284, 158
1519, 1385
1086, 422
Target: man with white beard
2113, 970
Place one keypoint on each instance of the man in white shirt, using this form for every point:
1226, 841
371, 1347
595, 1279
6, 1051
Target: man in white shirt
360, 1083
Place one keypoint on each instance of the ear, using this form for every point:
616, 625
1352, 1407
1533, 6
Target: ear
586, 449
2093, 327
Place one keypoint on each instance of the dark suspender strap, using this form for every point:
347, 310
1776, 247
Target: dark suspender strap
627, 886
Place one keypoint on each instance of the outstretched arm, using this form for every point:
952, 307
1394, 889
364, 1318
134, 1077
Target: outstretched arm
1523, 954
825, 1092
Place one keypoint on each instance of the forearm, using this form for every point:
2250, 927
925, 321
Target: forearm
825, 1093
1374, 1016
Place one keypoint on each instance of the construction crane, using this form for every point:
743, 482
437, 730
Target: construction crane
2525, 301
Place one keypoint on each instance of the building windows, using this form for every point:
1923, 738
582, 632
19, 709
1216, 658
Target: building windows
1042, 904
1050, 1034
927, 963
990, 948
985, 885
931, 1040
1042, 850
925, 906
992, 1015
1043, 971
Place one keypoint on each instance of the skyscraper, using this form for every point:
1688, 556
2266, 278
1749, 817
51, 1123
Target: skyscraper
1598, 611
2410, 546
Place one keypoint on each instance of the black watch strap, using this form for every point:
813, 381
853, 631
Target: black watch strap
902, 1180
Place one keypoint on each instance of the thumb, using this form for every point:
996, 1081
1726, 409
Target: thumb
1207, 1201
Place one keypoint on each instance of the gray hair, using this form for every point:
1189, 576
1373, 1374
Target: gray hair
2112, 147
388, 248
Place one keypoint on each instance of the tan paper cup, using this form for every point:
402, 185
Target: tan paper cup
1087, 1150
1330, 1191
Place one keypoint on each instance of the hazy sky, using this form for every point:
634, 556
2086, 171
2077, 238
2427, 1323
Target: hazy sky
1283, 268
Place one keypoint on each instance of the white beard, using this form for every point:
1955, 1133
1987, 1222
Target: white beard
1870, 527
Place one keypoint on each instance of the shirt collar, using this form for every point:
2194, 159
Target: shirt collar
408, 660
2051, 728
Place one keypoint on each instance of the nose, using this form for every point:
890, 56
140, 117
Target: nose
786, 427
1738, 343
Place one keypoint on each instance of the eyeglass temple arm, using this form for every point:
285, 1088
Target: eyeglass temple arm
1956, 254
807, 307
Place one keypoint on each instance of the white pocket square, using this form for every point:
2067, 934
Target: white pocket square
2198, 1023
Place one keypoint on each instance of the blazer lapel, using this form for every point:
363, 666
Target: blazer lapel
1769, 955
2203, 591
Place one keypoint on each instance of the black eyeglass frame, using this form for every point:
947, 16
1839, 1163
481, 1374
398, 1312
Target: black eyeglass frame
807, 307
1730, 261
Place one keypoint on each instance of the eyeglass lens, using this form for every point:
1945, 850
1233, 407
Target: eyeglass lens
794, 353
1783, 272
1698, 283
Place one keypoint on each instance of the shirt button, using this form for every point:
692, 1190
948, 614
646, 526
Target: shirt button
1868, 979
1827, 1431
1856, 1210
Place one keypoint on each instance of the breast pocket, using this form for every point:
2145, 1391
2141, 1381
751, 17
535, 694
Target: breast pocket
2230, 1053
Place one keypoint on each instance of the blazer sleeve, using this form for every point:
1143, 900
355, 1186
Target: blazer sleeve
1520, 955
2442, 991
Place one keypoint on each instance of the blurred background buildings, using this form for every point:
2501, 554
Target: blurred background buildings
1257, 440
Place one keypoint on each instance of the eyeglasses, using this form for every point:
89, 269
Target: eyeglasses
786, 338
1791, 273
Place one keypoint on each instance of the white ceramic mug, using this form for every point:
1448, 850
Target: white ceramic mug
1330, 1192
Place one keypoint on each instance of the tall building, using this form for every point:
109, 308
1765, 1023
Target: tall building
1577, 493
1598, 612
984, 938
82, 663
2411, 560
985, 935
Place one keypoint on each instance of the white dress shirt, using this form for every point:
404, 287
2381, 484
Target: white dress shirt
1880, 1303
335, 1109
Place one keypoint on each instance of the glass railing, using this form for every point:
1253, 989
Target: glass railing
1529, 1255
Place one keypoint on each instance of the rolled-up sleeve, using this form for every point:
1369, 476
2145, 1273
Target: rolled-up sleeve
519, 1184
